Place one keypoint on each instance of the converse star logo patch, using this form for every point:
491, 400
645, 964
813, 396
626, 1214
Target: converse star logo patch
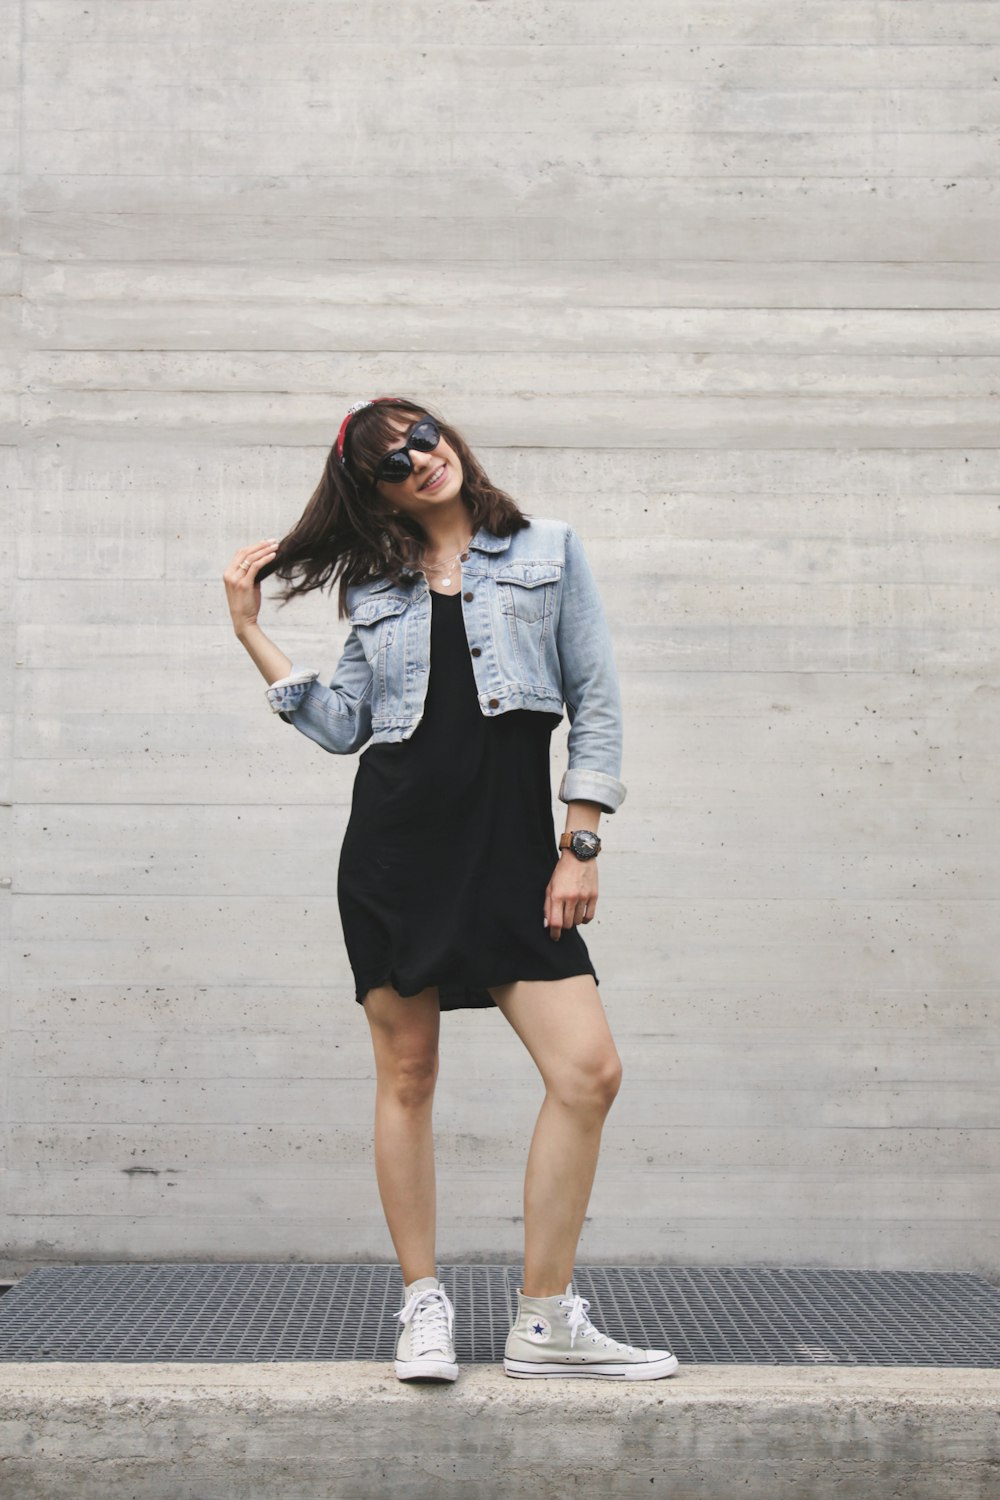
539, 1330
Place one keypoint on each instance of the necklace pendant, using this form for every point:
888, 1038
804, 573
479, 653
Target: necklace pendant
446, 582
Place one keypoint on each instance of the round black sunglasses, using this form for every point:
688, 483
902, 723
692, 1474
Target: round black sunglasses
396, 466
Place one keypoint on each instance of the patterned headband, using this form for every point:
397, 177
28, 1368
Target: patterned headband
358, 406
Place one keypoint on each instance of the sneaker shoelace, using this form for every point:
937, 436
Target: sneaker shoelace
579, 1323
433, 1318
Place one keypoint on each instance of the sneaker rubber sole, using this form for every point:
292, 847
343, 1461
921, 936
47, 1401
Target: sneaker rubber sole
653, 1369
426, 1369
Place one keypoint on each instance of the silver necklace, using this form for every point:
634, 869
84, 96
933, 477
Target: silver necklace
437, 567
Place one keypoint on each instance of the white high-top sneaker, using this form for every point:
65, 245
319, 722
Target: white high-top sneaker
425, 1348
554, 1336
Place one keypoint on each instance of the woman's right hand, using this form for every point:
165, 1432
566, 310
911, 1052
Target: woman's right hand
242, 588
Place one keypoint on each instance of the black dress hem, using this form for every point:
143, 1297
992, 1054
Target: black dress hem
464, 996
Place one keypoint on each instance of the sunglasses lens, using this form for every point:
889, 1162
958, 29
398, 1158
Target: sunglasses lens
394, 468
425, 436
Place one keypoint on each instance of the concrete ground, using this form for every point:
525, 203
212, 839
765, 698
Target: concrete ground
346, 1431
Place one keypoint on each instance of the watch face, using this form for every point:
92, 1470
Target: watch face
585, 844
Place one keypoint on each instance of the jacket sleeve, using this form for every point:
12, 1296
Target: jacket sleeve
590, 687
337, 715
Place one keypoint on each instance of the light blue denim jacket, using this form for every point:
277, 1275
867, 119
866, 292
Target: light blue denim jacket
538, 636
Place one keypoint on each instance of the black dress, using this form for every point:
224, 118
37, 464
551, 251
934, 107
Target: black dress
450, 844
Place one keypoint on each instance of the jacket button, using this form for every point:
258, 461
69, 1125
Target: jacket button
468, 596
476, 651
494, 703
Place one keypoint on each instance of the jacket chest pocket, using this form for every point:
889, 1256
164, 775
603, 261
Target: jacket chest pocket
527, 590
376, 621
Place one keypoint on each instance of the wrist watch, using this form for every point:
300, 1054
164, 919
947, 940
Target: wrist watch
584, 843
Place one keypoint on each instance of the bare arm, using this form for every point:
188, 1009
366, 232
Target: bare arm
337, 715
243, 597
571, 896
583, 815
271, 661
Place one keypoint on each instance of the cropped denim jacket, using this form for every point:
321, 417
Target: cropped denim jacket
537, 635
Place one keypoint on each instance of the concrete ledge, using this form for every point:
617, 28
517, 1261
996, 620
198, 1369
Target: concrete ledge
336, 1431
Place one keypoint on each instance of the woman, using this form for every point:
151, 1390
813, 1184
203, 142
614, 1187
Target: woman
471, 626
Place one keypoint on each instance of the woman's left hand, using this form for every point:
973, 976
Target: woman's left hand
571, 894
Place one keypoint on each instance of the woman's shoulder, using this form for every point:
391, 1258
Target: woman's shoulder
545, 538
357, 593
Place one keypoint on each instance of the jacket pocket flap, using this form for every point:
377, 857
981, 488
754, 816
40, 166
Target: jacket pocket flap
367, 611
529, 574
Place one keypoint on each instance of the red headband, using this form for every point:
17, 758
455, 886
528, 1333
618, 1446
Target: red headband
358, 406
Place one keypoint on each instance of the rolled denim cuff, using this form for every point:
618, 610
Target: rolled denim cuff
580, 784
287, 693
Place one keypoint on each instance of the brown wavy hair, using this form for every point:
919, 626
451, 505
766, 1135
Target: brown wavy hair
348, 531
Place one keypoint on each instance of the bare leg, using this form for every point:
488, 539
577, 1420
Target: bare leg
563, 1025
405, 1038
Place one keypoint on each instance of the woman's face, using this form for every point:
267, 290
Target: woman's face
427, 488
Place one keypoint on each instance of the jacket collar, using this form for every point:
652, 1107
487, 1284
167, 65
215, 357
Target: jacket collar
487, 541
483, 541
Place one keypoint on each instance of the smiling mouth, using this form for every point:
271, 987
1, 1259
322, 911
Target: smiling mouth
435, 478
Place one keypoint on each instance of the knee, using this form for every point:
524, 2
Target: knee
591, 1085
609, 1080
410, 1079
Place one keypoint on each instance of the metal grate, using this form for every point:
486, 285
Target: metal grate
247, 1312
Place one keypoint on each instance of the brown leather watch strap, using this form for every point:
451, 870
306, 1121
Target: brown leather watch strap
566, 839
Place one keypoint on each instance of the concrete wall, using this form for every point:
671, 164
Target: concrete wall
713, 281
